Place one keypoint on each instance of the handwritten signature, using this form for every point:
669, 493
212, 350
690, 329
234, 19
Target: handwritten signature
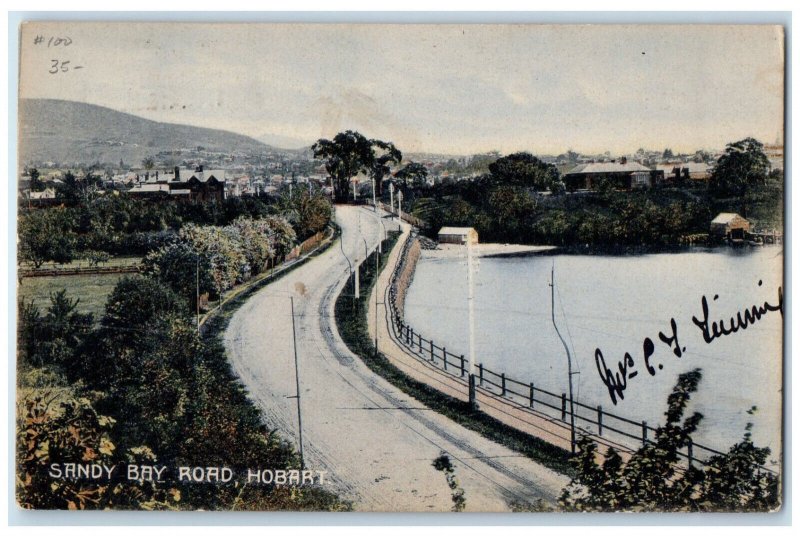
617, 381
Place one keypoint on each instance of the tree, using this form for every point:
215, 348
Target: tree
654, 479
413, 174
523, 169
307, 211
384, 154
36, 184
668, 153
46, 235
741, 170
148, 163
345, 156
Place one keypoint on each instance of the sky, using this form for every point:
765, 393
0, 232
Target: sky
454, 89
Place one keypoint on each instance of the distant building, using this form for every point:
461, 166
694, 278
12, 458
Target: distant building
458, 235
687, 171
729, 226
196, 185
623, 175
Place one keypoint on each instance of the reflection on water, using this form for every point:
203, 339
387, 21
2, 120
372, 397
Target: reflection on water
613, 303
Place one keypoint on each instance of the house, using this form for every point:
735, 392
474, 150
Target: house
458, 235
729, 226
694, 171
622, 175
196, 185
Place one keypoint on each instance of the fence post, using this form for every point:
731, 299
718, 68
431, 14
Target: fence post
563, 407
444, 357
644, 433
420, 343
431, 350
480, 370
532, 390
411, 342
462, 365
599, 420
503, 383
690, 450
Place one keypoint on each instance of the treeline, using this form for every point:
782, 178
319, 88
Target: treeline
523, 200
141, 388
209, 260
504, 213
117, 224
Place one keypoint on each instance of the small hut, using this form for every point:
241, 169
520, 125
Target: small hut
729, 226
458, 235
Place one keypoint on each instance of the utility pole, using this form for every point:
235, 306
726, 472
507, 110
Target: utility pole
400, 205
374, 201
197, 289
569, 356
377, 274
473, 403
297, 385
391, 200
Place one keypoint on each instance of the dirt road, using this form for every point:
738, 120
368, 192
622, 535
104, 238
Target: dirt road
375, 443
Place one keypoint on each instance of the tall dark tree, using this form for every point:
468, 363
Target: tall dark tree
741, 169
384, 155
523, 169
413, 174
345, 156
36, 184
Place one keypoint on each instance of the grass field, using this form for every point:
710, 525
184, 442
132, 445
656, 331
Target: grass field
92, 290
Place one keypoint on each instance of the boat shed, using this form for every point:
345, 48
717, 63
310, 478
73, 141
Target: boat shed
729, 226
458, 235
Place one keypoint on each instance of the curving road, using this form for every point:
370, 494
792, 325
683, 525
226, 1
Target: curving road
375, 442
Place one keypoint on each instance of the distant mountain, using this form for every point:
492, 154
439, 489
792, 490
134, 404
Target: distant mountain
71, 132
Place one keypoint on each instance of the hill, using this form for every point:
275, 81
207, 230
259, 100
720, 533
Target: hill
69, 132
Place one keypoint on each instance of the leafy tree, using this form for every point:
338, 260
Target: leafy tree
668, 153
37, 185
348, 154
740, 171
46, 235
523, 169
413, 175
148, 163
655, 479
383, 155
74, 191
307, 211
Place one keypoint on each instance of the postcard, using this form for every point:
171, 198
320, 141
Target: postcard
400, 268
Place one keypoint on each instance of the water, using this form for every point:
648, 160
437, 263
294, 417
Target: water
613, 303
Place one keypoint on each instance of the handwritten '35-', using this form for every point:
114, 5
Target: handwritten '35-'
617, 382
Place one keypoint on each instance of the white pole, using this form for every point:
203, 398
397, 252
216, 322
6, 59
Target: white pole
357, 290
391, 200
374, 202
400, 205
471, 309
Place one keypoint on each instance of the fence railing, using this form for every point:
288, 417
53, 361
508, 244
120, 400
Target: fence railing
594, 420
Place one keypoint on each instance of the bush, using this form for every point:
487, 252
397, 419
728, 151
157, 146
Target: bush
654, 479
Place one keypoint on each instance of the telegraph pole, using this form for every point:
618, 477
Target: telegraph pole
374, 202
400, 205
197, 290
376, 291
569, 356
297, 385
391, 200
473, 403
